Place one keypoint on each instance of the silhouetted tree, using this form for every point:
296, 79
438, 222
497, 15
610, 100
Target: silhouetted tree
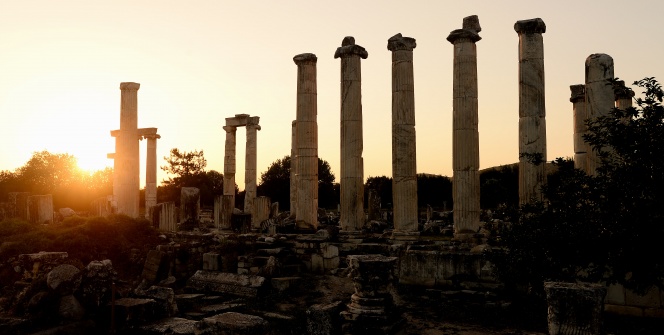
188, 170
383, 186
499, 186
434, 190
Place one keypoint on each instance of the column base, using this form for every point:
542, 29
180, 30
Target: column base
405, 236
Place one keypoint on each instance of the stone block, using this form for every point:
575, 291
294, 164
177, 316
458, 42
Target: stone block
575, 307
232, 323
211, 261
175, 326
134, 311
64, 279
317, 264
40, 209
228, 283
615, 294
329, 250
156, 266
189, 301
215, 309
323, 319
418, 267
284, 283
164, 297
654, 313
331, 263
650, 299
623, 310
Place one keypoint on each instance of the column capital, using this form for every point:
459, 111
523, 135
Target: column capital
129, 86
398, 42
532, 26
253, 126
152, 136
469, 30
230, 129
578, 93
349, 48
305, 58
621, 91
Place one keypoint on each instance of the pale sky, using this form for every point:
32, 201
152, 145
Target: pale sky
199, 62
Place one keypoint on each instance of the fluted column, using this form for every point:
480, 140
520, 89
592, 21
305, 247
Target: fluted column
293, 170
532, 114
599, 95
250, 169
581, 148
622, 94
126, 190
352, 164
229, 177
151, 174
306, 215
465, 137
404, 163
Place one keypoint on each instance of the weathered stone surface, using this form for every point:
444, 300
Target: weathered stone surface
33, 265
164, 297
233, 323
18, 205
64, 279
170, 326
40, 209
229, 283
600, 98
575, 308
323, 319
156, 266
96, 285
66, 212
284, 283
134, 311
211, 261
70, 308
190, 205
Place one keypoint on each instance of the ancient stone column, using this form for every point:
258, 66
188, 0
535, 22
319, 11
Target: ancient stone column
250, 168
164, 216
581, 148
352, 164
600, 98
126, 192
404, 167
151, 173
229, 175
622, 94
190, 205
18, 205
293, 170
465, 137
307, 142
261, 212
532, 121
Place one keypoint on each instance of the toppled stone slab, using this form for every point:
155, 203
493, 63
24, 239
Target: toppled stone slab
64, 279
174, 326
187, 302
222, 308
232, 323
164, 298
228, 283
156, 266
134, 310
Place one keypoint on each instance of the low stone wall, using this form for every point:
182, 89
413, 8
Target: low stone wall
620, 300
445, 268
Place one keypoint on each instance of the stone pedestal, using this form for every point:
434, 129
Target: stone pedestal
600, 98
581, 148
465, 137
371, 307
40, 209
575, 308
404, 162
190, 205
352, 164
306, 217
532, 121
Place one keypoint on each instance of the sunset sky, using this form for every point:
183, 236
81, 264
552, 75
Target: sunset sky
198, 62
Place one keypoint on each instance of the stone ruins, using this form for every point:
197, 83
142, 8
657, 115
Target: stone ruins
228, 274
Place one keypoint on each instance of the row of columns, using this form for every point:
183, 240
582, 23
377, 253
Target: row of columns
126, 168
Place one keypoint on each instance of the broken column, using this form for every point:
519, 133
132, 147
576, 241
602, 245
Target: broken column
599, 95
250, 165
581, 148
151, 172
126, 160
40, 209
352, 164
261, 212
18, 205
307, 142
190, 205
163, 216
229, 177
404, 167
622, 94
465, 142
532, 121
293, 170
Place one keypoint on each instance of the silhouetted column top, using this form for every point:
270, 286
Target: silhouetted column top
305, 58
129, 86
348, 47
398, 42
532, 26
621, 91
470, 29
578, 93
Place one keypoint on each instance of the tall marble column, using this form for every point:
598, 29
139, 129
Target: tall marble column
306, 215
404, 163
151, 173
352, 164
465, 137
229, 176
622, 94
250, 168
532, 114
599, 95
126, 190
293, 170
581, 148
